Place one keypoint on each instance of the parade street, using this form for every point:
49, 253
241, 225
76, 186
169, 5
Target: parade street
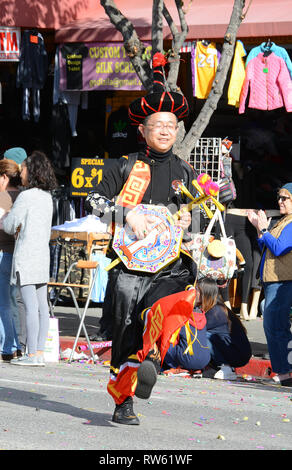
66, 407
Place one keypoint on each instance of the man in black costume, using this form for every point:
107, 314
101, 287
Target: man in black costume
130, 292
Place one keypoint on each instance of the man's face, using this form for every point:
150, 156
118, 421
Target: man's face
160, 131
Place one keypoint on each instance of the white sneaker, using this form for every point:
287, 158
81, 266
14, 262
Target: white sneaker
27, 361
225, 373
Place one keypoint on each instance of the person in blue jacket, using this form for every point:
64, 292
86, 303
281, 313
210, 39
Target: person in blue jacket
276, 276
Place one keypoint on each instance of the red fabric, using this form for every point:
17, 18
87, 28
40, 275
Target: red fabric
165, 317
124, 384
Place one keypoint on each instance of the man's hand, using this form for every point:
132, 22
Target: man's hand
185, 220
141, 224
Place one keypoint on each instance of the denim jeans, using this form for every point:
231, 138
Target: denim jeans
216, 355
8, 337
278, 301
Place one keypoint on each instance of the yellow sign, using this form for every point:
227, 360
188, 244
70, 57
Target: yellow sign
87, 173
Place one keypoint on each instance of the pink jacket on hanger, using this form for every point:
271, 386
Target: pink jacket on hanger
270, 84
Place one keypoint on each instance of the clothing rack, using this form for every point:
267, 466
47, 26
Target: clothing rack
68, 247
66, 208
93, 240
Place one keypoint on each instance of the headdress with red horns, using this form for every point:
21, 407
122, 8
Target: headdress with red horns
159, 100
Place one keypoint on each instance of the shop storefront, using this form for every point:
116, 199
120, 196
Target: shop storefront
90, 120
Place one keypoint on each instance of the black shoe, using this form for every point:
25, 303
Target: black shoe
99, 337
124, 413
147, 377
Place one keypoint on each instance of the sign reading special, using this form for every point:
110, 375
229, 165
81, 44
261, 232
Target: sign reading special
97, 66
87, 173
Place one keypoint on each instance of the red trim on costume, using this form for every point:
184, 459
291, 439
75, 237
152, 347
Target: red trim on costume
135, 186
164, 318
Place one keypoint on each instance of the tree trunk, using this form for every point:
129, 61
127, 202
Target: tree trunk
135, 49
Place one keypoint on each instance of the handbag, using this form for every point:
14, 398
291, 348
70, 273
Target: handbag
214, 258
227, 190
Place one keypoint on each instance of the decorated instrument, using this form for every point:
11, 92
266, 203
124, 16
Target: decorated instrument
162, 245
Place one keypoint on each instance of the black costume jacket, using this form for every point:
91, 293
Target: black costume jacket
129, 292
165, 168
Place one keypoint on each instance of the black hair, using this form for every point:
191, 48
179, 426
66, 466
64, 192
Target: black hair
40, 172
211, 296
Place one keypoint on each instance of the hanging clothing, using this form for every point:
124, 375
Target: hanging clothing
32, 71
74, 55
266, 48
121, 136
237, 75
204, 62
61, 135
33, 96
33, 62
269, 82
71, 98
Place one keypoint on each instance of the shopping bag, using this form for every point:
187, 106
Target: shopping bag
215, 258
52, 346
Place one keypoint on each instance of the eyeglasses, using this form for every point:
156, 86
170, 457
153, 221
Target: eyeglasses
169, 126
282, 198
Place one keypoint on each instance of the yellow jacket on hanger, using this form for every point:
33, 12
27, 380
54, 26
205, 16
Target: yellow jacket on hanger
237, 75
205, 59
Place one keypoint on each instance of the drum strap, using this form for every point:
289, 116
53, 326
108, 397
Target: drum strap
135, 186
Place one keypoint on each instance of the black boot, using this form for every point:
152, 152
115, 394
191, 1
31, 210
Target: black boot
124, 413
147, 376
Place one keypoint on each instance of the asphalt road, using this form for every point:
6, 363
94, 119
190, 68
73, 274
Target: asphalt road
66, 407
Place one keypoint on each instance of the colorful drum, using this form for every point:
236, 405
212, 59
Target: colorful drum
158, 249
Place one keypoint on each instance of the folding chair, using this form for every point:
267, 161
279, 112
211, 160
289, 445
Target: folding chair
81, 264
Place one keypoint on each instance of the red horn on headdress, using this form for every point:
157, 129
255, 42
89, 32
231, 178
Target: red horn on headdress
158, 60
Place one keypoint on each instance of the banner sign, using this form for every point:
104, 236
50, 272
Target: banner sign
9, 44
97, 66
87, 173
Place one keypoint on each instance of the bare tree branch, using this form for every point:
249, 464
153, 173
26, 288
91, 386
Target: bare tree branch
157, 26
177, 42
134, 47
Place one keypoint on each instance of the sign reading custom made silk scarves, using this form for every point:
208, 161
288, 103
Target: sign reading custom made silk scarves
97, 66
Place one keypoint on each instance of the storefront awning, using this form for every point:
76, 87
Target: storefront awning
87, 21
206, 19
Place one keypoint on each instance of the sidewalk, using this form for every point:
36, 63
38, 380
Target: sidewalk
69, 322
